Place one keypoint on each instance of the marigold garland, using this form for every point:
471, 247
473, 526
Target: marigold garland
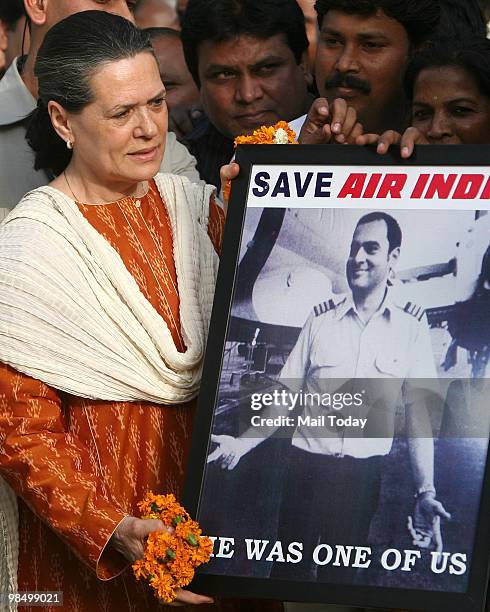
280, 133
170, 558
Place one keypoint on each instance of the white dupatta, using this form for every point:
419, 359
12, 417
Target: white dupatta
72, 316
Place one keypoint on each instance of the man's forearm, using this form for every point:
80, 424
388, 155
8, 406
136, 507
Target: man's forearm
420, 444
421, 452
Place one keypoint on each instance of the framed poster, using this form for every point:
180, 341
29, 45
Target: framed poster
341, 453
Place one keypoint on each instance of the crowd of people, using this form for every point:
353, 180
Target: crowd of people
120, 136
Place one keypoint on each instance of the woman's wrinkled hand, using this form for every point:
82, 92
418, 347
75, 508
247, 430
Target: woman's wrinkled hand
130, 536
129, 539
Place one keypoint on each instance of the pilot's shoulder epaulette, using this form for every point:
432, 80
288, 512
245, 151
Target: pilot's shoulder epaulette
324, 307
413, 309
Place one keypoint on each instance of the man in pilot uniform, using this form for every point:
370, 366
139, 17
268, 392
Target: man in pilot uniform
373, 347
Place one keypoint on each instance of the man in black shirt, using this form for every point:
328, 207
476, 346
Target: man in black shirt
249, 59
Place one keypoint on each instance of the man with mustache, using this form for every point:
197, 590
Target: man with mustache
368, 335
249, 59
363, 49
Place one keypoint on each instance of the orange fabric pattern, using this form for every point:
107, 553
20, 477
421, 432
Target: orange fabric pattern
143, 238
82, 465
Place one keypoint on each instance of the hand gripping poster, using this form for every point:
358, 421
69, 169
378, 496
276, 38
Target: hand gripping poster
342, 435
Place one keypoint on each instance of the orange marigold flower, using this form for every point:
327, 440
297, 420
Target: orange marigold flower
171, 557
165, 587
280, 133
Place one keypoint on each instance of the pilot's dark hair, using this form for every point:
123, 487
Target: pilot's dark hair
472, 55
419, 17
71, 53
393, 230
220, 20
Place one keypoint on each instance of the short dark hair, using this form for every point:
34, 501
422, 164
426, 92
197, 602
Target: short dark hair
11, 11
393, 231
461, 19
418, 17
472, 55
161, 32
220, 20
71, 52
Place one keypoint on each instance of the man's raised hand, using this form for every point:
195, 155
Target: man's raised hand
326, 123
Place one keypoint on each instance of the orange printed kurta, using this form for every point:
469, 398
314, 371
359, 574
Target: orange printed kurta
80, 466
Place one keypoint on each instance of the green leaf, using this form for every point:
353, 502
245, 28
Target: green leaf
193, 541
178, 519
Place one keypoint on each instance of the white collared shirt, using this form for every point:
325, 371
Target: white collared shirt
336, 351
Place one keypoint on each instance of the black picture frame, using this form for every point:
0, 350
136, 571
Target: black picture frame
287, 590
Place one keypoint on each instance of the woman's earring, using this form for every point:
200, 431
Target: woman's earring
69, 144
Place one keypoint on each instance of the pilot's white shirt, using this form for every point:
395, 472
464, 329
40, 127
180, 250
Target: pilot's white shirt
336, 346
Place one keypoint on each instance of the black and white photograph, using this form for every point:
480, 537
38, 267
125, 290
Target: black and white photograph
349, 435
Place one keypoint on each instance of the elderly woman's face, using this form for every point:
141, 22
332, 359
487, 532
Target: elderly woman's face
120, 136
449, 108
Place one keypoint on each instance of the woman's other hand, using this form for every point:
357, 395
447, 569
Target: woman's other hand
227, 173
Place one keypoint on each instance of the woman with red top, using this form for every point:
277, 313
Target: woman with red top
106, 281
